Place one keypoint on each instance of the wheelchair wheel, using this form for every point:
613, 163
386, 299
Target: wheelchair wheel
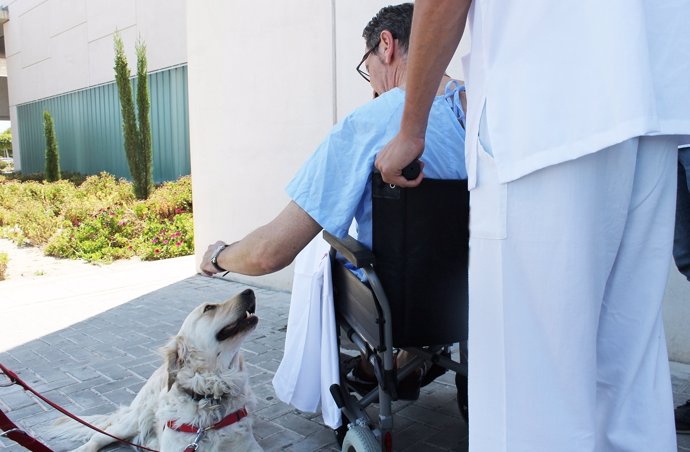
360, 439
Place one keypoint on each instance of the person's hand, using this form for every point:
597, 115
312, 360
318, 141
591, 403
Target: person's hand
206, 266
396, 155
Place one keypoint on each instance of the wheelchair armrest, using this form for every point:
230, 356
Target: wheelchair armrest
352, 250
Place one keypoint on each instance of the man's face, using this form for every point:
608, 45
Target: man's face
375, 67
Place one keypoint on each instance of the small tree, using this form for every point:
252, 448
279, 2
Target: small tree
6, 143
52, 159
143, 107
137, 136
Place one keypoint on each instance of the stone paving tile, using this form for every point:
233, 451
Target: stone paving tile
102, 362
280, 440
320, 440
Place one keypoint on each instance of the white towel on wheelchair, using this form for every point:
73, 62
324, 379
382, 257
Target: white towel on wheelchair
310, 361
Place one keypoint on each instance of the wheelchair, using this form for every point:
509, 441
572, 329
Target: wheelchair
414, 299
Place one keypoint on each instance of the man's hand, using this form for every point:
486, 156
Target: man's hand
396, 155
206, 266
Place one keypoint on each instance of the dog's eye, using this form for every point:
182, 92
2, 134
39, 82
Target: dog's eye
209, 307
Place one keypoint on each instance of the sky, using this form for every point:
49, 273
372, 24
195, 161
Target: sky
4, 125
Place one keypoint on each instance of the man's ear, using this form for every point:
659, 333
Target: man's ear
174, 354
387, 46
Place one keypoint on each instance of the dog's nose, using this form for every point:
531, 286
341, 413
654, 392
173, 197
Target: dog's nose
247, 292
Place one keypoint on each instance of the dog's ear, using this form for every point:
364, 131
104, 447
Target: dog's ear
174, 354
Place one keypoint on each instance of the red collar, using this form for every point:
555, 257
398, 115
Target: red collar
227, 420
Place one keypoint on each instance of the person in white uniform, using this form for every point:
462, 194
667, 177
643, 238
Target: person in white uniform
575, 112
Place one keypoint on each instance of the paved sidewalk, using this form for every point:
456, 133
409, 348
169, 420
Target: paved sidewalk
95, 361
102, 361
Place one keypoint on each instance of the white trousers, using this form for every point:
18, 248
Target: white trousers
568, 267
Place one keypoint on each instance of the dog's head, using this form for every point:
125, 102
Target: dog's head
211, 336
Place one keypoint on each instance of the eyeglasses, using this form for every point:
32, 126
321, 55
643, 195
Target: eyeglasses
362, 72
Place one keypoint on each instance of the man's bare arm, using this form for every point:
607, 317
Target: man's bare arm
437, 26
268, 248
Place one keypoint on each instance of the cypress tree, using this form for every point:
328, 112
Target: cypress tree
143, 106
137, 136
52, 159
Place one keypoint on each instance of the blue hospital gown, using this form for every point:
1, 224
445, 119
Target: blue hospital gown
333, 186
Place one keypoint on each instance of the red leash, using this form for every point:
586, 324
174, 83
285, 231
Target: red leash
19, 436
12, 432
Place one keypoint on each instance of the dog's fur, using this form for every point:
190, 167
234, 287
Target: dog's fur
203, 360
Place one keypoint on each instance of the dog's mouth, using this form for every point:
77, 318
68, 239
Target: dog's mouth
245, 323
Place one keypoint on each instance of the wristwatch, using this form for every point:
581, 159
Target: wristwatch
214, 257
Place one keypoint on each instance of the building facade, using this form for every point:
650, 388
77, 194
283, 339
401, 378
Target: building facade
60, 58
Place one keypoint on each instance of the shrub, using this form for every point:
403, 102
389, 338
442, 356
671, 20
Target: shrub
103, 237
104, 222
170, 238
6, 165
74, 178
52, 158
171, 198
29, 211
4, 258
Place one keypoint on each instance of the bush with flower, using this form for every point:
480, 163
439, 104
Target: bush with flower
99, 219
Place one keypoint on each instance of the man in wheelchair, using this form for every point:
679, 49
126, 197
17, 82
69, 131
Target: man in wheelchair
334, 186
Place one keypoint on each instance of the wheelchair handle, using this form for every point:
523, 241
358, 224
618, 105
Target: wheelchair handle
411, 171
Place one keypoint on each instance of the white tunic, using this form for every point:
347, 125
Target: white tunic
562, 79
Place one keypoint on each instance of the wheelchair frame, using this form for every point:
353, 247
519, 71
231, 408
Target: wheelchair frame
369, 434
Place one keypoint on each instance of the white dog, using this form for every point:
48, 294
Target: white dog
199, 396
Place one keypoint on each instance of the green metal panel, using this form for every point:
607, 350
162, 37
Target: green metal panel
88, 127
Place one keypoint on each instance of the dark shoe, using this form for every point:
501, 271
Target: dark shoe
408, 387
433, 371
341, 431
360, 380
461, 385
682, 415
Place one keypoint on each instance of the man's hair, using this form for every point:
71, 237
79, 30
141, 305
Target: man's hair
396, 19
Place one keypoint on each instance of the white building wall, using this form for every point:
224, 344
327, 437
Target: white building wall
57, 46
260, 99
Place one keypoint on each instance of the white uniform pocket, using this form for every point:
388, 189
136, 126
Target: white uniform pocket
487, 200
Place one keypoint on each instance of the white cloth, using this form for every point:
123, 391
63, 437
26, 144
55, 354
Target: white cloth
310, 361
562, 79
568, 267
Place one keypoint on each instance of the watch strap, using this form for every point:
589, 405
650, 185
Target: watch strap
214, 258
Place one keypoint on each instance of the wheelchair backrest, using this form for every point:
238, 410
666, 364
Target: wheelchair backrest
420, 243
